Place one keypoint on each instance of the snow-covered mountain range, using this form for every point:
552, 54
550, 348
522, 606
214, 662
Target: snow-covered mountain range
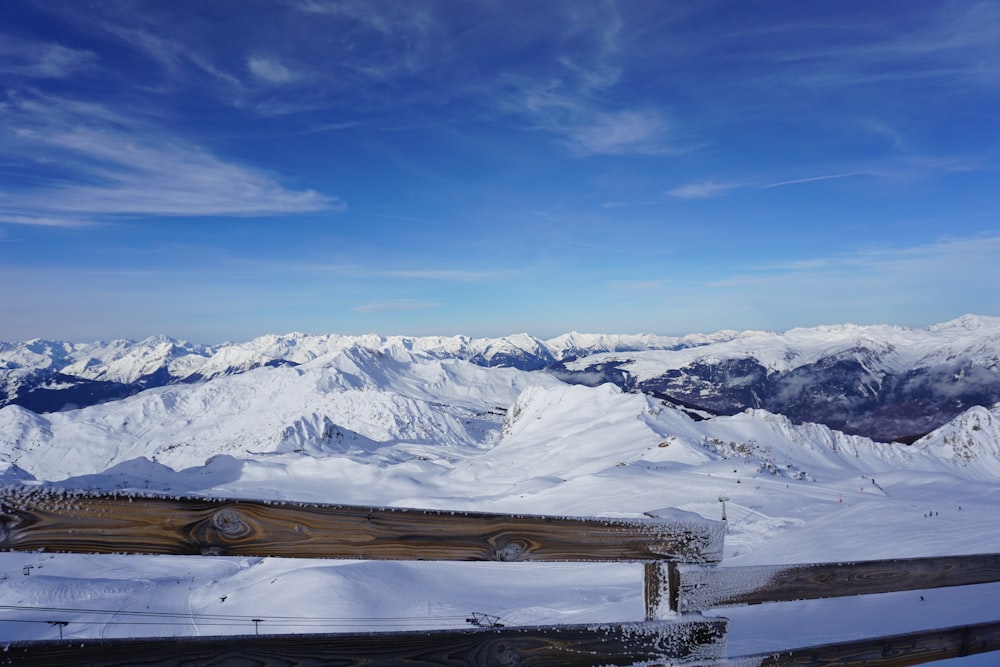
885, 382
395, 405
46, 376
453, 423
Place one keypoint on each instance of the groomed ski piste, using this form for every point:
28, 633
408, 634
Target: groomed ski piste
406, 427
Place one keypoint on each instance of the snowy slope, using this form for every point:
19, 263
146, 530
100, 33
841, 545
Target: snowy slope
352, 401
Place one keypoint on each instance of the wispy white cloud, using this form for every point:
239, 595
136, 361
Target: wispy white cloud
950, 43
341, 47
710, 189
959, 41
169, 51
906, 166
703, 190
396, 306
812, 179
42, 60
160, 178
585, 128
955, 255
116, 165
451, 275
376, 270
44, 221
638, 285
270, 70
238, 57
912, 285
599, 25
330, 127
618, 133
877, 284
945, 163
885, 130
399, 37
573, 99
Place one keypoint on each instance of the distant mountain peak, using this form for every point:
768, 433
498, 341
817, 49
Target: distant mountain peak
968, 322
972, 437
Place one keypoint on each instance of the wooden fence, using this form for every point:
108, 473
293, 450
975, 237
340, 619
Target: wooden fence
688, 643
904, 650
107, 523
32, 519
679, 553
685, 588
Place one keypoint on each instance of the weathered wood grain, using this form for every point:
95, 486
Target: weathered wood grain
914, 648
661, 581
571, 646
701, 588
32, 519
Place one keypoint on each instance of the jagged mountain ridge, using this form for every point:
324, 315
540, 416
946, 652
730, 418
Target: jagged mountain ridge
351, 403
884, 382
47, 376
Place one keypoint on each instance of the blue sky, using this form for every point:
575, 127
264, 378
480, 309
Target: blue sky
221, 170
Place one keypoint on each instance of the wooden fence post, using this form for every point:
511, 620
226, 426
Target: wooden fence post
661, 578
661, 581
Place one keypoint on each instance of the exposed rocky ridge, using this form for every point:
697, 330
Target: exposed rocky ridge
888, 383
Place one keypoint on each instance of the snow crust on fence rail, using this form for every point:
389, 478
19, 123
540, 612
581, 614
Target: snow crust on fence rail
702, 589
97, 523
658, 521
682, 520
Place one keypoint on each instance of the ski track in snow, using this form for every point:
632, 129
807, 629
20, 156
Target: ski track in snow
410, 429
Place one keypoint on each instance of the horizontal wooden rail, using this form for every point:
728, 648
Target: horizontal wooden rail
571, 645
913, 648
51, 520
692, 588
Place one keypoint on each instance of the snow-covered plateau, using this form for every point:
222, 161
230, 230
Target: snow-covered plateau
433, 423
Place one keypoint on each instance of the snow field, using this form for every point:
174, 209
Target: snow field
408, 429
